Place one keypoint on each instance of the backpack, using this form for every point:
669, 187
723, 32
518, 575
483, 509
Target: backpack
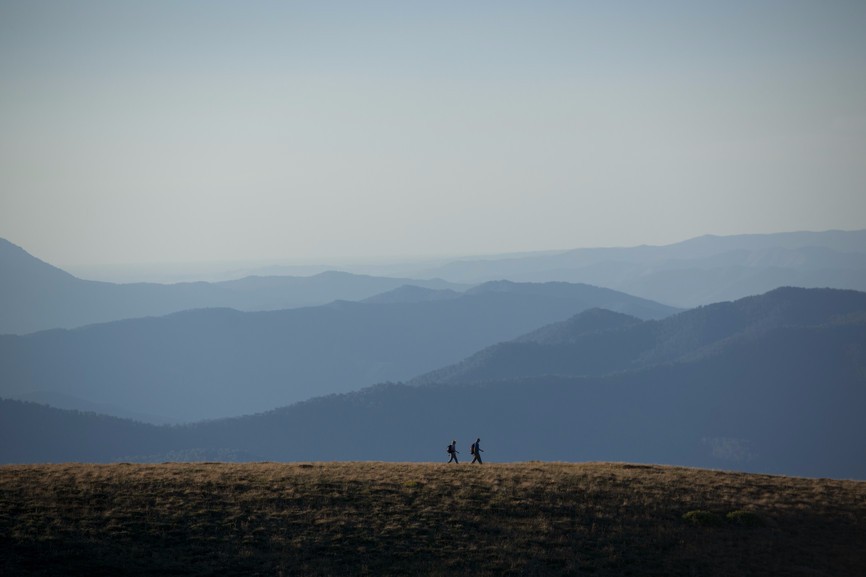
448, 449
472, 449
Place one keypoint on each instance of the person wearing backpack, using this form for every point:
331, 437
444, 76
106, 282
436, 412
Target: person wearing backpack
476, 450
452, 450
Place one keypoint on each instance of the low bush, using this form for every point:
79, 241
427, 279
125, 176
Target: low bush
745, 518
702, 518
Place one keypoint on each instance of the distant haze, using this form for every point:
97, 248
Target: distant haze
197, 131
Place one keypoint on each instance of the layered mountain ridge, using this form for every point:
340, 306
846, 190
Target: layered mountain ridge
211, 363
779, 387
36, 296
596, 342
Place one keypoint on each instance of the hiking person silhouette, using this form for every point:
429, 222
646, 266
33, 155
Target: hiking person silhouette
452, 450
476, 451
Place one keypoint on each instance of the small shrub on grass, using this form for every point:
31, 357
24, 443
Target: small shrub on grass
745, 518
702, 518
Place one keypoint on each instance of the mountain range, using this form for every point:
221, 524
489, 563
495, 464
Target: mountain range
36, 296
690, 273
774, 383
598, 342
211, 363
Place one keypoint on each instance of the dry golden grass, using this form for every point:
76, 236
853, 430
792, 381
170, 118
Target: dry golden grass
424, 519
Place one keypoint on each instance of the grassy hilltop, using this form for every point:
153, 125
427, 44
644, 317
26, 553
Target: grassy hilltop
424, 519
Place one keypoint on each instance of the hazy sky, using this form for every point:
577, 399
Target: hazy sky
157, 131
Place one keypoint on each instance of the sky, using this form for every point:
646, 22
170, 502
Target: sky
170, 131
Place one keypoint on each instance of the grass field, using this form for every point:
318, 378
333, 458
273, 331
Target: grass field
424, 519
